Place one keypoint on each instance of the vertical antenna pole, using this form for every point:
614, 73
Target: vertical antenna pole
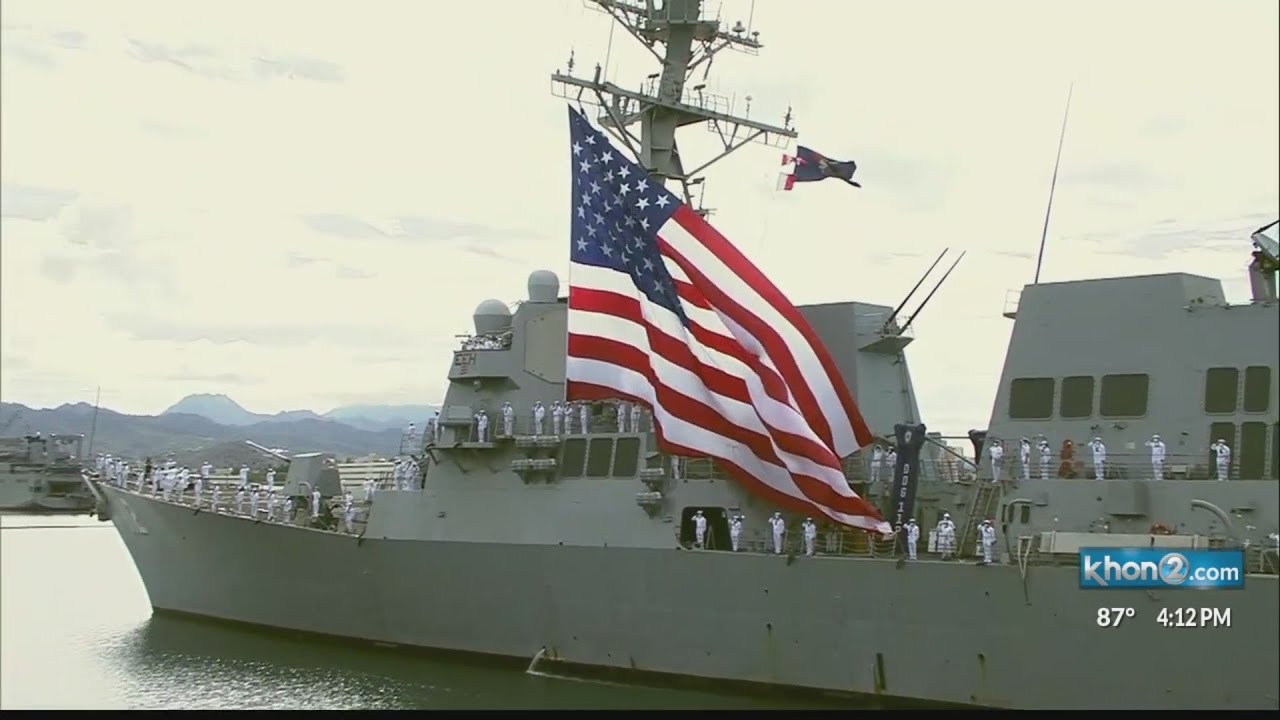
93, 429
1053, 184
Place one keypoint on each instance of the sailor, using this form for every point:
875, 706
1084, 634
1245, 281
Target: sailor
557, 418
913, 538
1157, 457
636, 415
891, 462
271, 505
244, 476
584, 417
147, 474
411, 474
735, 531
1222, 456
410, 432
810, 535
482, 427
348, 517
946, 534
123, 479
397, 474
254, 498
170, 480
1046, 457
271, 479
508, 420
1024, 457
240, 501
288, 510
155, 480
539, 413
1099, 457
199, 487
778, 526
996, 451
568, 418
987, 536
699, 529
184, 477
370, 487
439, 428
315, 503
877, 457
675, 467
206, 470
215, 498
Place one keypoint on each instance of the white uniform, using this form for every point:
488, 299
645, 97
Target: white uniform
315, 503
987, 534
254, 498
877, 457
539, 413
1046, 457
206, 470
699, 529
636, 414
996, 451
1157, 457
244, 476
913, 538
349, 517
675, 467
411, 475
271, 480
735, 531
810, 535
240, 501
482, 427
370, 487
180, 487
271, 506
1222, 453
1099, 457
584, 416
439, 429
557, 418
508, 419
778, 526
890, 463
622, 417
568, 418
946, 531
215, 499
1024, 458
288, 509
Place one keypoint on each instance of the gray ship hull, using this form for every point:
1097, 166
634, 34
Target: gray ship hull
932, 631
18, 494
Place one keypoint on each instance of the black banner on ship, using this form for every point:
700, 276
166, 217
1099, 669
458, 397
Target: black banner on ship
906, 474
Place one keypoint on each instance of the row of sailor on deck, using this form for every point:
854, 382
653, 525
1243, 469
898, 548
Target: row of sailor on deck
500, 341
883, 460
559, 418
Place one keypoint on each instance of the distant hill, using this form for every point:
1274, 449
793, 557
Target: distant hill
225, 411
138, 436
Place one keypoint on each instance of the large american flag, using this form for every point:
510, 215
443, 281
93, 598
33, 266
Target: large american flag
664, 311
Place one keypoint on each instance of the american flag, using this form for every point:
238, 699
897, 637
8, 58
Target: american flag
664, 311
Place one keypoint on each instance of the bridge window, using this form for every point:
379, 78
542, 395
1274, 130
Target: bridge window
1124, 395
626, 457
573, 458
1225, 431
1077, 397
1220, 389
599, 457
1031, 398
1257, 389
1253, 451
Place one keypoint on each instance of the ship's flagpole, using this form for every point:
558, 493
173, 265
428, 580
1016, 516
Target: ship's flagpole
1053, 184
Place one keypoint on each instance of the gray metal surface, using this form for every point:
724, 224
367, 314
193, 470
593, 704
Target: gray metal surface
41, 474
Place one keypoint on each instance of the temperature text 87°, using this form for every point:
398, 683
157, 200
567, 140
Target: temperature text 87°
1112, 617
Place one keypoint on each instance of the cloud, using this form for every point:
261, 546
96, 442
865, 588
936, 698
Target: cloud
33, 203
69, 39
209, 62
155, 327
297, 67
185, 374
418, 228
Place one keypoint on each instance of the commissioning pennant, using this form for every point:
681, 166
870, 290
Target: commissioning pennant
664, 311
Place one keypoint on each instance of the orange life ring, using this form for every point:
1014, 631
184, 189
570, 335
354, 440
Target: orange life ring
1159, 529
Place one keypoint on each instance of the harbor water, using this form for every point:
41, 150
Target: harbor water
76, 632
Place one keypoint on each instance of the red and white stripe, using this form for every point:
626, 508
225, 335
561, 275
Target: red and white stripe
748, 383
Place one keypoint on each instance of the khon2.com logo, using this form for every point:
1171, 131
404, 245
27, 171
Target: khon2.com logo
1131, 568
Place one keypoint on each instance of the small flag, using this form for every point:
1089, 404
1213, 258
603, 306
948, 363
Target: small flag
810, 166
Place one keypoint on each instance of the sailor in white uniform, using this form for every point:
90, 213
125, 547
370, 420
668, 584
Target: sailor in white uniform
288, 510
1157, 456
946, 534
315, 503
271, 505
1046, 457
675, 467
482, 427
349, 518
508, 420
539, 413
877, 457
996, 451
370, 487
215, 498
439, 429
244, 476
810, 535
557, 418
411, 432
199, 488
1099, 450
271, 480
987, 536
636, 414
206, 470
1024, 458
699, 529
913, 538
568, 417
890, 463
254, 498
584, 417
240, 501
779, 527
1222, 456
735, 531
180, 487
412, 476
622, 410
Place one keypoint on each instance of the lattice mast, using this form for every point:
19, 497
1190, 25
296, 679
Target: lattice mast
663, 103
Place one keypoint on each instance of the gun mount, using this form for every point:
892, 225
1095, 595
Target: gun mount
312, 471
267, 451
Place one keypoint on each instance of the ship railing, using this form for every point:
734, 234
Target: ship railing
1126, 465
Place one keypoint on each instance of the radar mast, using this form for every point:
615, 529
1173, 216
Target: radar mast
663, 104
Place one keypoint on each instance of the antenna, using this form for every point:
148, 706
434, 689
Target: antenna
929, 297
889, 321
1044, 234
93, 428
663, 104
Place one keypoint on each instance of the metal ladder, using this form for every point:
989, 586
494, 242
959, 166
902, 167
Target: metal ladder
986, 496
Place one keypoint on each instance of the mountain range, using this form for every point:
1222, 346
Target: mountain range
200, 423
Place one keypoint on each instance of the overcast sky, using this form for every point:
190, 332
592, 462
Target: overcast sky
300, 203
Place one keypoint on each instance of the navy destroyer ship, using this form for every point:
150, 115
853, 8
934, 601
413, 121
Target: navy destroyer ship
574, 547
